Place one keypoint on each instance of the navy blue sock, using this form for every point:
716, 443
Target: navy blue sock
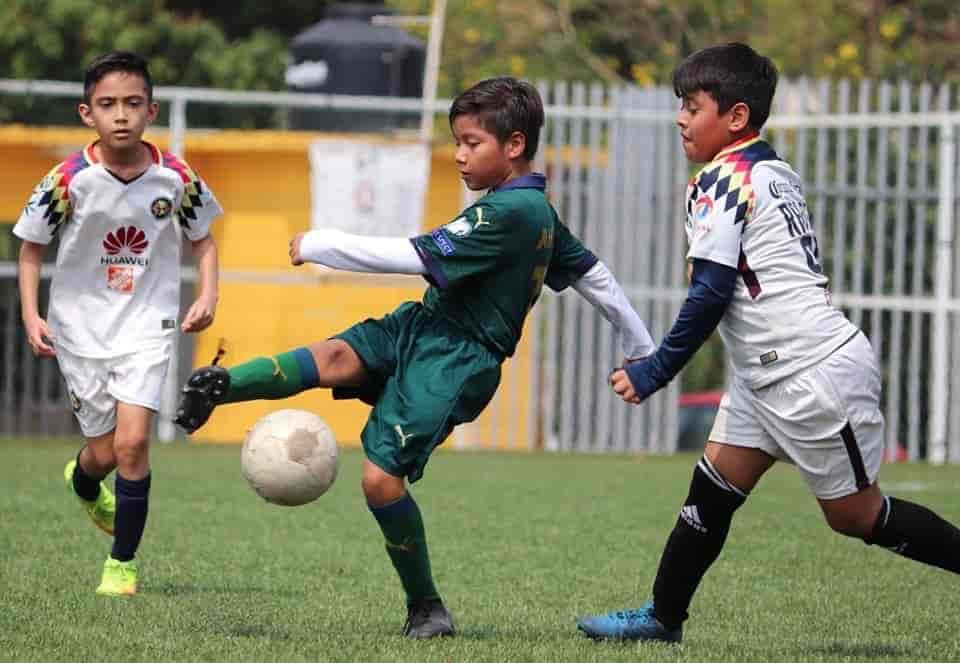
131, 517
84, 485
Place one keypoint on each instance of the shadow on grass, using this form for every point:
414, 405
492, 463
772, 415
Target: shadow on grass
187, 590
848, 650
530, 633
258, 631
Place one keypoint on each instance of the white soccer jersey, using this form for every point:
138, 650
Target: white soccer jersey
116, 288
746, 210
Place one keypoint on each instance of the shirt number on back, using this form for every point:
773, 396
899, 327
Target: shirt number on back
812, 249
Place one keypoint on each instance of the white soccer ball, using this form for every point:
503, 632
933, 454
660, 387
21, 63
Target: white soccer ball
289, 457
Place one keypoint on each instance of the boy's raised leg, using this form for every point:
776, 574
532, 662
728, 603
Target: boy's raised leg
325, 364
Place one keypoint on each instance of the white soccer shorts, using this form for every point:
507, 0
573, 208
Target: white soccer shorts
97, 385
826, 420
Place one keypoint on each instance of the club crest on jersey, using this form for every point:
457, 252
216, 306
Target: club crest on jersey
161, 207
459, 227
48, 182
702, 208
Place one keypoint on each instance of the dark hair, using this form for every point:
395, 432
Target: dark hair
116, 61
731, 73
503, 105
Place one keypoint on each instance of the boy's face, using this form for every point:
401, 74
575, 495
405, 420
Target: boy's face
704, 131
483, 161
119, 110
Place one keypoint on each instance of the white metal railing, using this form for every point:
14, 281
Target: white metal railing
879, 161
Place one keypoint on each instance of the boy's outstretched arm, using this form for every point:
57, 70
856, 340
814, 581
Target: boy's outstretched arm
28, 279
356, 253
200, 315
599, 287
711, 289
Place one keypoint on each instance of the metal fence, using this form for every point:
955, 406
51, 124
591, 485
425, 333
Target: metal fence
880, 162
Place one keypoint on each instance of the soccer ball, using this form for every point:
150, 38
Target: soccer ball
289, 457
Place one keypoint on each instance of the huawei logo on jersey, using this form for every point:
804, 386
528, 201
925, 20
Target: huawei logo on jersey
124, 246
131, 238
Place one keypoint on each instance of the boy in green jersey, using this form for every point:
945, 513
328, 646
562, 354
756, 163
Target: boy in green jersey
429, 366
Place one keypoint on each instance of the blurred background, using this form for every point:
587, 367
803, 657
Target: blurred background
302, 114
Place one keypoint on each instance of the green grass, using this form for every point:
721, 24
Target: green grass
520, 545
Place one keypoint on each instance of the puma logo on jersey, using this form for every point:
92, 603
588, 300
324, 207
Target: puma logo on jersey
480, 221
403, 437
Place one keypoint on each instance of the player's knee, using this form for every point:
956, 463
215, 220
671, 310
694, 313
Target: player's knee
99, 458
129, 447
332, 357
853, 524
380, 488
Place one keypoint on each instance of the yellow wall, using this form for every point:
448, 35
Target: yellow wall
266, 306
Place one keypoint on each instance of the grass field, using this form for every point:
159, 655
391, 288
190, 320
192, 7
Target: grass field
520, 545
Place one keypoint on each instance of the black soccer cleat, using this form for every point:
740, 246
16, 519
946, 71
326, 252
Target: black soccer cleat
428, 619
203, 392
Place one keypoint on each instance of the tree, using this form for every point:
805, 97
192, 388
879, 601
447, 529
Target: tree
642, 41
240, 19
55, 39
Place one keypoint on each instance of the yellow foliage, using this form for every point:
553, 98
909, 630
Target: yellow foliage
642, 73
890, 29
848, 51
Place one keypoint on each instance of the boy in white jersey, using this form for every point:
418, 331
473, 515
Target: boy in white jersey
805, 386
120, 209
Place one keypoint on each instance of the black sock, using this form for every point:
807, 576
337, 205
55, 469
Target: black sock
131, 517
84, 485
694, 543
918, 533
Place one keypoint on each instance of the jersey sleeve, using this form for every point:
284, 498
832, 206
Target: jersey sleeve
721, 205
472, 244
47, 209
198, 207
571, 259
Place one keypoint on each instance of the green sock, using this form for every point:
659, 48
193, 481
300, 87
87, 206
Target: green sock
274, 377
406, 541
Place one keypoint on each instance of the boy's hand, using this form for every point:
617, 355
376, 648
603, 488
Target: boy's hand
295, 258
39, 337
200, 315
621, 384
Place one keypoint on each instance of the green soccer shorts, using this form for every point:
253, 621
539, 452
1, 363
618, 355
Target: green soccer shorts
429, 377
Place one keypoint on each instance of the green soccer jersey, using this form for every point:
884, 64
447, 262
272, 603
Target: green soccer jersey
486, 268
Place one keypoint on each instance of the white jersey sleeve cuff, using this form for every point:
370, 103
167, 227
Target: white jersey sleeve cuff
599, 287
357, 253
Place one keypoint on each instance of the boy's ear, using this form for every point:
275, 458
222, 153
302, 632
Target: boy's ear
152, 111
739, 116
84, 111
516, 145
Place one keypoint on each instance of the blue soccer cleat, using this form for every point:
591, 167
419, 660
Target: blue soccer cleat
637, 624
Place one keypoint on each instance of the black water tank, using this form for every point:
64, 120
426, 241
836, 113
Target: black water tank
348, 54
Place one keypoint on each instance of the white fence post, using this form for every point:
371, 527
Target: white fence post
937, 436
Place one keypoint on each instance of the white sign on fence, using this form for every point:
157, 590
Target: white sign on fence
368, 188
